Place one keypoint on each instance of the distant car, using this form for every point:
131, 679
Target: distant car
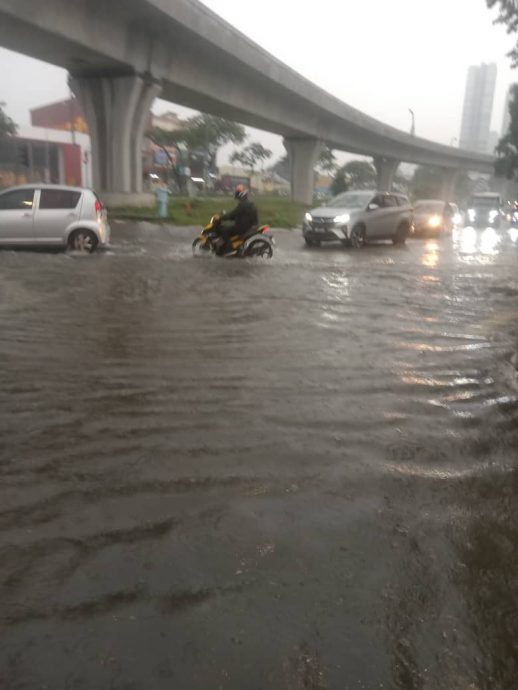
53, 215
357, 217
485, 210
434, 217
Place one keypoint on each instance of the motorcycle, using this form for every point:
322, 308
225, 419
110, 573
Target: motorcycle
257, 242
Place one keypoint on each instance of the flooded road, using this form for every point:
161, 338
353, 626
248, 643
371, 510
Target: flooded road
288, 475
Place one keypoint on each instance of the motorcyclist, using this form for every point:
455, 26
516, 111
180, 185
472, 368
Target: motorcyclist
243, 217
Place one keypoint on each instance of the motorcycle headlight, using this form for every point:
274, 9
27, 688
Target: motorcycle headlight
493, 214
434, 221
472, 214
457, 219
308, 217
344, 218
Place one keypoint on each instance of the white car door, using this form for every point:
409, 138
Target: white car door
17, 216
56, 210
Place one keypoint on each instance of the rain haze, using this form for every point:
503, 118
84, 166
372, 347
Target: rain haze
258, 422
381, 58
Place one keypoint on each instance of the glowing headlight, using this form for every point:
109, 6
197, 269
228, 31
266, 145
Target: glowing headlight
492, 215
457, 219
472, 214
344, 218
308, 217
434, 221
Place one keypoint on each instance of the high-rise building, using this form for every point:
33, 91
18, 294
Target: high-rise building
507, 117
478, 108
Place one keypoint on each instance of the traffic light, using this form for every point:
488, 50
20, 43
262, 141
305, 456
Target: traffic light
23, 155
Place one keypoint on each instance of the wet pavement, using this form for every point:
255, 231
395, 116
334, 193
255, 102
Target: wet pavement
287, 475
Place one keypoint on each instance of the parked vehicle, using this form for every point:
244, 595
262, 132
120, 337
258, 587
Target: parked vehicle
485, 210
53, 215
434, 217
356, 217
257, 242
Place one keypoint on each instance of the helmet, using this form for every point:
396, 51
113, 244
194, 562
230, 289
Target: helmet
241, 192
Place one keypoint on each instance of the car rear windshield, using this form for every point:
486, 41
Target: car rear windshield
350, 200
59, 198
429, 207
485, 201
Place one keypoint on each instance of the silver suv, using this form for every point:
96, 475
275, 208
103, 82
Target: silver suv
52, 215
354, 218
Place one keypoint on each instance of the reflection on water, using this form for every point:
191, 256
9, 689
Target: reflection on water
476, 244
431, 254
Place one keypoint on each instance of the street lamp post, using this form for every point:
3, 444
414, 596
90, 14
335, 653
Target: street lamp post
412, 128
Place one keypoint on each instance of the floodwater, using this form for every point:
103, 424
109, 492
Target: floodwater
288, 475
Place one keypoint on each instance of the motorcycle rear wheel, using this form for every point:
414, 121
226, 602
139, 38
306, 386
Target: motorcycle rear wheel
260, 249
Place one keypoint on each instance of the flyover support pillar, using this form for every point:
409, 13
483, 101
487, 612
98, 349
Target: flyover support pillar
386, 169
303, 155
449, 183
117, 110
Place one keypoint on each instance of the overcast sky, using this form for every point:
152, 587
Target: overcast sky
379, 56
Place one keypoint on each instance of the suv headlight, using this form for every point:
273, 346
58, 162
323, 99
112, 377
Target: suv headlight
308, 217
344, 218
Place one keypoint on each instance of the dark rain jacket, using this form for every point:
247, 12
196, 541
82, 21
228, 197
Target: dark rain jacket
244, 216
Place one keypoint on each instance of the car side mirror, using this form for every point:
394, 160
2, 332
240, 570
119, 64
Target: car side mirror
372, 207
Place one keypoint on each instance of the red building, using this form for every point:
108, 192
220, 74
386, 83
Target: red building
60, 115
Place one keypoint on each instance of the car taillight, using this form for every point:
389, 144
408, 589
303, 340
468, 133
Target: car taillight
98, 206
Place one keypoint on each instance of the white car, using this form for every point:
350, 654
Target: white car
354, 218
53, 215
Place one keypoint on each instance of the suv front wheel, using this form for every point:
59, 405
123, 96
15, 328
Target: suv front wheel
357, 238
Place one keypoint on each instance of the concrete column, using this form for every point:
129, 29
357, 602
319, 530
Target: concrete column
386, 169
449, 183
116, 110
303, 155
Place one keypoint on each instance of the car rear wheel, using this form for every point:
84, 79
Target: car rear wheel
357, 238
401, 233
83, 240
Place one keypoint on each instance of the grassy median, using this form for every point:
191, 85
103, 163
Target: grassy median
278, 212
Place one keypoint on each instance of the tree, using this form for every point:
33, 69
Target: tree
506, 164
426, 183
361, 175
208, 131
340, 182
507, 15
282, 167
201, 132
327, 161
7, 126
251, 155
355, 175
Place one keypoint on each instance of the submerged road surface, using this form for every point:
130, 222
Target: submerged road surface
287, 475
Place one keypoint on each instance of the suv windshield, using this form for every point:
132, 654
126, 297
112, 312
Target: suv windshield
350, 200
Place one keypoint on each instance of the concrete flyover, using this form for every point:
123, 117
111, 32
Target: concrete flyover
121, 55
